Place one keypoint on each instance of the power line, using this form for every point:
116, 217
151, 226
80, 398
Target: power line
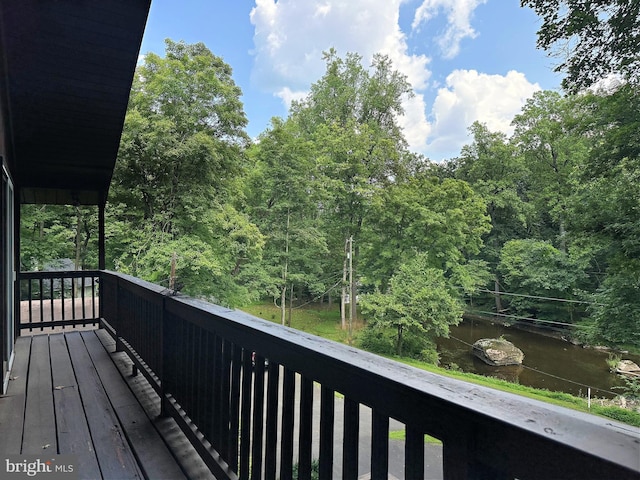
532, 319
565, 300
318, 296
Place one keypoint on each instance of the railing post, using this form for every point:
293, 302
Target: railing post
100, 294
101, 235
118, 317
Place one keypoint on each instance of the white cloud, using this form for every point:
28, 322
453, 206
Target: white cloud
459, 13
290, 37
289, 96
469, 96
416, 127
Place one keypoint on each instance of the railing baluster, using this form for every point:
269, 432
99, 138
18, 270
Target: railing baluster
414, 454
258, 418
73, 299
379, 446
209, 365
288, 409
327, 414
83, 301
217, 393
62, 309
234, 408
201, 398
273, 375
306, 428
41, 281
245, 421
93, 296
30, 293
191, 370
350, 441
225, 388
52, 295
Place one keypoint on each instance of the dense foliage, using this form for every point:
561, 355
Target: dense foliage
540, 227
595, 38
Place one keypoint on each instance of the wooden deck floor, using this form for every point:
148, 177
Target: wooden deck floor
67, 396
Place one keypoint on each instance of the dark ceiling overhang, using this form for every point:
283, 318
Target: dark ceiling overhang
67, 71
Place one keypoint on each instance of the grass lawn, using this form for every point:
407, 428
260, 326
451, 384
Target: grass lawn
325, 322
320, 321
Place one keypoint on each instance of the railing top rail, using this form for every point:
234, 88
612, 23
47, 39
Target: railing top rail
442, 406
59, 274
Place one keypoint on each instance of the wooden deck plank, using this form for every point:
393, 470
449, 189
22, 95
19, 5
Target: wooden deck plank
112, 450
12, 404
73, 430
152, 453
39, 419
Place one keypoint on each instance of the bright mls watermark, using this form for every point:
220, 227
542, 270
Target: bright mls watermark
51, 467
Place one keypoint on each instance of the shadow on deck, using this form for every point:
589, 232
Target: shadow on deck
71, 394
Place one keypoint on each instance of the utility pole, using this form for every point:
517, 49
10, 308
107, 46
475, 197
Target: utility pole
352, 297
343, 295
172, 276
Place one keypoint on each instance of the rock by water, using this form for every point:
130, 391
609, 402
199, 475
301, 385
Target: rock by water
627, 367
497, 352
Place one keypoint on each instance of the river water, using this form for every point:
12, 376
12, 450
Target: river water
548, 363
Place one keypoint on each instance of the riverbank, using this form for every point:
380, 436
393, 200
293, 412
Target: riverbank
326, 323
563, 335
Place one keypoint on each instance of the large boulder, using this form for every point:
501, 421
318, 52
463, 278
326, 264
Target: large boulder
497, 352
629, 368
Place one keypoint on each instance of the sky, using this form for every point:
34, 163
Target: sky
466, 60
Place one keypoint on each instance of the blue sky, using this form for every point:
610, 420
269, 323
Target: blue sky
466, 59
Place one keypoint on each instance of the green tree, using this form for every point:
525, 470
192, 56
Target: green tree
176, 186
50, 233
284, 189
417, 303
604, 209
494, 170
443, 219
536, 268
351, 116
594, 38
546, 136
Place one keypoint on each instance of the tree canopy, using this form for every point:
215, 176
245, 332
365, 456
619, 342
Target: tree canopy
175, 188
593, 38
328, 203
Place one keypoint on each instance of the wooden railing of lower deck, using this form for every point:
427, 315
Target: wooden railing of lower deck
250, 420
58, 299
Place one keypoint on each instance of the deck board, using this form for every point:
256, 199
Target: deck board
114, 455
39, 418
73, 431
12, 404
66, 394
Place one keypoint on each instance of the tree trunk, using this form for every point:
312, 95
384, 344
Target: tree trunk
283, 302
497, 295
563, 237
285, 272
399, 341
343, 294
79, 228
290, 305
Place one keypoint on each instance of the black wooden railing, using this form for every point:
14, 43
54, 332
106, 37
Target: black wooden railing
251, 418
58, 299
